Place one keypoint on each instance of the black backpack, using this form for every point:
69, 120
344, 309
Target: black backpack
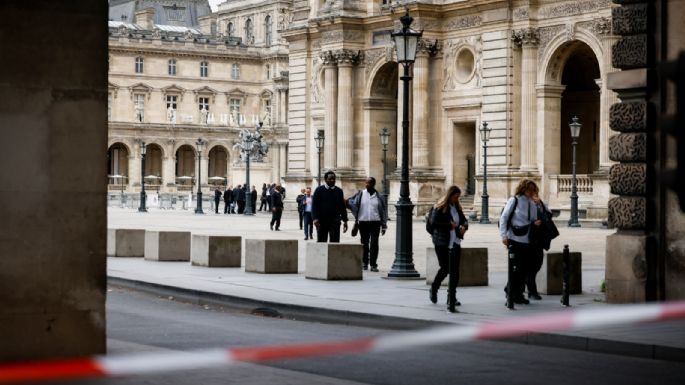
429, 221
511, 213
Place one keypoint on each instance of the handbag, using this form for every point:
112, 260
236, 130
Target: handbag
355, 229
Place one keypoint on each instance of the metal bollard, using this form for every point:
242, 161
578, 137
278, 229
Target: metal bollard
510, 275
565, 277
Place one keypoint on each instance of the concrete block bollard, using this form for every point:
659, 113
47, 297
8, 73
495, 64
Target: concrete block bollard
550, 277
126, 243
334, 261
473, 267
216, 250
167, 245
271, 256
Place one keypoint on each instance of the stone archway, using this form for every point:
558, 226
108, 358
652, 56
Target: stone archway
185, 167
153, 166
117, 165
218, 165
380, 110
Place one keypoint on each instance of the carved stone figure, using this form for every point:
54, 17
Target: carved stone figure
171, 115
203, 115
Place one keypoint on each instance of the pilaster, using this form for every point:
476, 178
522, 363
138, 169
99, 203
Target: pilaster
528, 39
331, 115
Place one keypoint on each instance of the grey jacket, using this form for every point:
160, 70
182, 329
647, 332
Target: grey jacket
355, 202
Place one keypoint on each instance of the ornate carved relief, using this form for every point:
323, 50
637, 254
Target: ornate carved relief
315, 83
425, 25
527, 37
628, 179
601, 26
572, 8
628, 213
341, 35
628, 116
629, 19
630, 52
426, 46
546, 34
570, 31
328, 58
348, 56
628, 147
521, 13
463, 22
371, 57
451, 49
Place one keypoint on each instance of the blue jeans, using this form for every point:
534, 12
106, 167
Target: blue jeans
308, 224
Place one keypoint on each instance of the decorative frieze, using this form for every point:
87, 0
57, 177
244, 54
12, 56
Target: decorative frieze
629, 19
340, 36
526, 37
463, 22
630, 52
572, 8
521, 13
628, 213
628, 179
628, 116
628, 147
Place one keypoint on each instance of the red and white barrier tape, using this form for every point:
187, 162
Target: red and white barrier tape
107, 366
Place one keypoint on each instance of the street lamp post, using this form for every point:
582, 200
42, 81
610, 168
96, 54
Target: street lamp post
403, 267
575, 133
485, 136
143, 196
385, 137
319, 140
200, 144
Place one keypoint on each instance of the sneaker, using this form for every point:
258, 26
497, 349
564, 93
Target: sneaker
534, 296
521, 301
374, 269
433, 295
306, 238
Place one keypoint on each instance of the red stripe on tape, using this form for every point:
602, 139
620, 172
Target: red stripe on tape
671, 311
54, 370
514, 327
269, 353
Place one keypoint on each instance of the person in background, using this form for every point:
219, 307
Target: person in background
242, 196
328, 210
217, 199
253, 196
449, 225
228, 199
300, 206
276, 209
370, 213
541, 239
236, 194
307, 214
263, 198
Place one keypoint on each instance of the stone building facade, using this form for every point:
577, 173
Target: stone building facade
209, 78
524, 67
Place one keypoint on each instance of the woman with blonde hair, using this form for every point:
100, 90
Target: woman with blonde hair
449, 225
519, 214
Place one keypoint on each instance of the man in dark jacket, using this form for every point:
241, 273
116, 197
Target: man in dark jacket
217, 199
276, 209
300, 206
328, 210
228, 199
236, 197
370, 214
242, 198
253, 196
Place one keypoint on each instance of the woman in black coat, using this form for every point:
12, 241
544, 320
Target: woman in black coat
449, 225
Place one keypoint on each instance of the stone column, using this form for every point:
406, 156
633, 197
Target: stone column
528, 39
275, 159
134, 170
282, 159
276, 108
602, 27
169, 171
346, 59
420, 107
331, 114
204, 167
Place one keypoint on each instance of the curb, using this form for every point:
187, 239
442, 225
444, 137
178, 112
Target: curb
340, 317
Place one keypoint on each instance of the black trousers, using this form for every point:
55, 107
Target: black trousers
522, 254
227, 207
263, 205
308, 225
241, 207
276, 217
301, 214
328, 232
216, 206
533, 267
369, 233
449, 260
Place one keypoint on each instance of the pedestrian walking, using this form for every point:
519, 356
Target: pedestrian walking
300, 206
253, 196
236, 194
370, 213
269, 191
540, 240
263, 198
518, 216
307, 214
217, 199
228, 199
242, 196
448, 224
276, 209
328, 210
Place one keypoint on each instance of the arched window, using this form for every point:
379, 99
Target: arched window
235, 71
172, 67
204, 69
249, 31
230, 30
267, 31
139, 65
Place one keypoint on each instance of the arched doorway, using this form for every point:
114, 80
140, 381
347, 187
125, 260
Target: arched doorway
185, 168
117, 166
218, 162
581, 97
381, 112
153, 167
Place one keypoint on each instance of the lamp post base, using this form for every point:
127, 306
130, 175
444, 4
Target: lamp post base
198, 208
403, 266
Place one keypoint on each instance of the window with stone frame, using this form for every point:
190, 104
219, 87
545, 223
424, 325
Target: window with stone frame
204, 69
139, 105
139, 65
172, 67
235, 71
171, 101
234, 109
267, 31
203, 103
